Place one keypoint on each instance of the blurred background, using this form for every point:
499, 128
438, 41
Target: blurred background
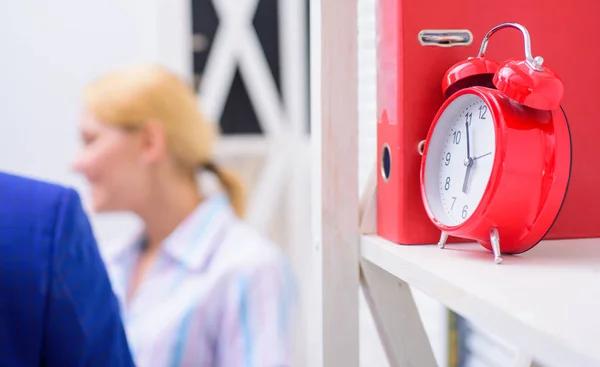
249, 63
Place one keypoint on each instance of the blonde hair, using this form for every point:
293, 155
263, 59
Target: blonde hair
130, 97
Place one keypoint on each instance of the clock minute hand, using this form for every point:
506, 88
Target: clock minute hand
468, 139
468, 159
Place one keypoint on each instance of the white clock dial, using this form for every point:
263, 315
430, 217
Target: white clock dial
460, 159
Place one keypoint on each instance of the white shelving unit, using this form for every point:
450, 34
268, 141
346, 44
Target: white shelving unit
545, 302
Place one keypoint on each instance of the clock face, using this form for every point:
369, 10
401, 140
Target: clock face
459, 160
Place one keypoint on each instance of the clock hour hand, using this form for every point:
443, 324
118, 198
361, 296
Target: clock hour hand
469, 162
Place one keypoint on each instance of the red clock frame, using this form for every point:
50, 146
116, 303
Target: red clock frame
529, 178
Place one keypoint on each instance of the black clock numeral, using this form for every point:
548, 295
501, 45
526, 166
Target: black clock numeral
447, 160
464, 212
447, 185
456, 137
453, 201
468, 118
482, 111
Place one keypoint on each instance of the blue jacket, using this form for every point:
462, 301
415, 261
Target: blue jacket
57, 307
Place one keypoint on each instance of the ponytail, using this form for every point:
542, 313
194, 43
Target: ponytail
232, 185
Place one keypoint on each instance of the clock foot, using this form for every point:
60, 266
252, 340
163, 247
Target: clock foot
443, 239
495, 240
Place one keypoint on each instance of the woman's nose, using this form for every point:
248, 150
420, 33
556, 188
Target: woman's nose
78, 164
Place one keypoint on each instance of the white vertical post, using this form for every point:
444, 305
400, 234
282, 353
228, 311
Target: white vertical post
294, 86
314, 314
292, 45
334, 334
299, 240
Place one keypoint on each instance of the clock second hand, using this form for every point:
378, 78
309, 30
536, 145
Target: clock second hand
481, 156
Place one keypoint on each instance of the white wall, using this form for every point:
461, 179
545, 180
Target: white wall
49, 50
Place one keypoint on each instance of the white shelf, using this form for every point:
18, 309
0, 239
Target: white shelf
546, 301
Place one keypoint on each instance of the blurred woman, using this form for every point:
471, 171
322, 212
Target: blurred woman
197, 285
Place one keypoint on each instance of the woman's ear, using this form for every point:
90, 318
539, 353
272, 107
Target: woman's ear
154, 142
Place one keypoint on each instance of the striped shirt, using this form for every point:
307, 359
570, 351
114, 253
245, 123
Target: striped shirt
219, 294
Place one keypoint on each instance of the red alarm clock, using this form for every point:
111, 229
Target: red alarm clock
497, 159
